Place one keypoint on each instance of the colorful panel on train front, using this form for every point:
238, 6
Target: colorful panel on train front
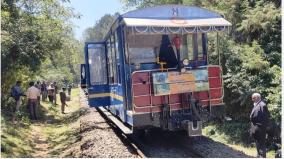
165, 83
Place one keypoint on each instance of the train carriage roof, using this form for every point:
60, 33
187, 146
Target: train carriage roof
181, 18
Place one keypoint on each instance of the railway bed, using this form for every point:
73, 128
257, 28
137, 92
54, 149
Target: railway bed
154, 143
157, 143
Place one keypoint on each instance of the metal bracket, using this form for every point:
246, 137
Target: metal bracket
194, 128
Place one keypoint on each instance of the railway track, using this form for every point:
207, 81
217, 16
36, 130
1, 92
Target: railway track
125, 138
154, 143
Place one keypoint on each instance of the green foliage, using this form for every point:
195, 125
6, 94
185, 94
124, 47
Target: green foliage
231, 132
64, 65
99, 31
248, 71
20, 140
33, 33
15, 139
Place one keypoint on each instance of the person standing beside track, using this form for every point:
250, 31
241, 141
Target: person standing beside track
43, 91
259, 118
55, 93
63, 100
32, 95
16, 93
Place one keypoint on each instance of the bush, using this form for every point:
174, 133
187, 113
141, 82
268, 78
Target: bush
231, 132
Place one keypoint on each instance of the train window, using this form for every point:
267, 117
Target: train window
193, 46
141, 55
97, 64
116, 45
83, 72
186, 50
114, 61
110, 61
117, 56
143, 48
200, 46
204, 44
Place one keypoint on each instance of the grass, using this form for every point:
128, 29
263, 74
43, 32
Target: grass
59, 130
235, 135
64, 131
12, 143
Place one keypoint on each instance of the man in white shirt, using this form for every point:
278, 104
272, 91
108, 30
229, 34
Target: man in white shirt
32, 95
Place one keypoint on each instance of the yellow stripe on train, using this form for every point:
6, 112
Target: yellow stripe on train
99, 95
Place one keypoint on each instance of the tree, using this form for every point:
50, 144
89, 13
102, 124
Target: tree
32, 31
100, 29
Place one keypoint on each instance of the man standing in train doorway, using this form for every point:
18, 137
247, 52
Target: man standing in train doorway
259, 118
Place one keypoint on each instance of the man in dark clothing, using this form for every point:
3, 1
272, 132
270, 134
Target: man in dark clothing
63, 100
167, 53
50, 91
55, 92
43, 91
38, 86
259, 118
69, 87
16, 93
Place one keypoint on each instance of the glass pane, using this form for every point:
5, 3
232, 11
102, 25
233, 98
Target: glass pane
83, 71
109, 50
184, 48
97, 64
195, 46
142, 55
190, 46
200, 47
113, 54
116, 45
143, 48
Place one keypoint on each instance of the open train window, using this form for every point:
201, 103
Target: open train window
193, 46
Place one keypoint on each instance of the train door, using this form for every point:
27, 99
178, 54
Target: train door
97, 73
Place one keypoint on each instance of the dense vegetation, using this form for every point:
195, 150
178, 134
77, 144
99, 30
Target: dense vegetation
100, 29
37, 43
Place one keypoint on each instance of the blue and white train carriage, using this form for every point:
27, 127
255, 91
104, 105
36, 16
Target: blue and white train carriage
152, 69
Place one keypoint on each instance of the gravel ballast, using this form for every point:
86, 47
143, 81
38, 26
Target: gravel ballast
98, 139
